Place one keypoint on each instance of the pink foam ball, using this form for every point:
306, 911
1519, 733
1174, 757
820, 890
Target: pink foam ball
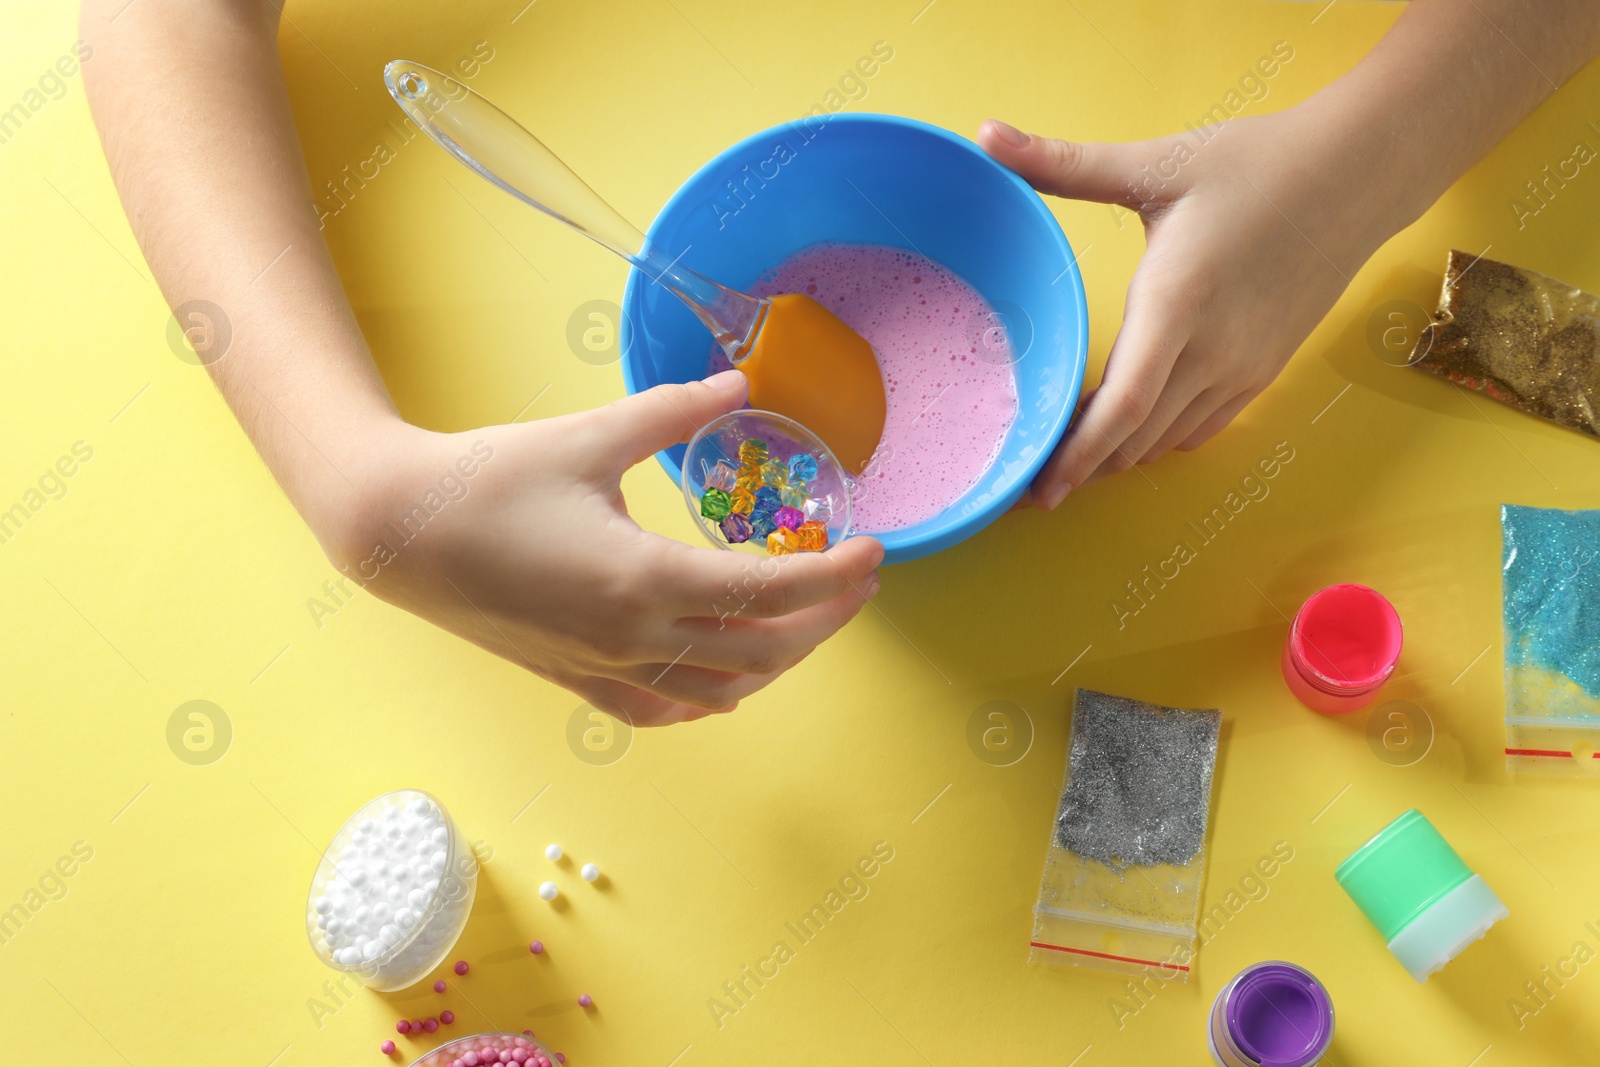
430, 1024
387, 1048
536, 948
585, 1001
559, 1059
470, 1059
438, 987
447, 1017
403, 1026
461, 966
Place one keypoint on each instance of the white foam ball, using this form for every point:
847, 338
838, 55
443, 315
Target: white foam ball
590, 872
552, 852
548, 891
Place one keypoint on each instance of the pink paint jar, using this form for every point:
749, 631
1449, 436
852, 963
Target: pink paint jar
1343, 645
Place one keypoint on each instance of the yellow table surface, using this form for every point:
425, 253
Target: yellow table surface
173, 570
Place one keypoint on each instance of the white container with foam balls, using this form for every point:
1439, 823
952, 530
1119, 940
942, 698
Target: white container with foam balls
392, 892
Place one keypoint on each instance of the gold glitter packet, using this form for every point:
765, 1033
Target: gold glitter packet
1521, 337
1126, 864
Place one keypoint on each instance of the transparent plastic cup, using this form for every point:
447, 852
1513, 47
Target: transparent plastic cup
455, 1051
437, 918
827, 494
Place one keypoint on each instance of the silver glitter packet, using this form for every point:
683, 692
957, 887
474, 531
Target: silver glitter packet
1126, 863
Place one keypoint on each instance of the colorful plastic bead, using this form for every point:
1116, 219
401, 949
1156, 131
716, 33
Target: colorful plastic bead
802, 467
736, 528
753, 452
715, 505
761, 524
783, 541
768, 500
793, 496
774, 473
722, 475
813, 536
743, 501
789, 517
748, 478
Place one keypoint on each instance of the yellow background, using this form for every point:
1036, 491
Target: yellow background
175, 570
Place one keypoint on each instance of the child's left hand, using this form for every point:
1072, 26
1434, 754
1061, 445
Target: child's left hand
1250, 238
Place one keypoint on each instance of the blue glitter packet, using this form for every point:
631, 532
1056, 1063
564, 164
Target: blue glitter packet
1550, 589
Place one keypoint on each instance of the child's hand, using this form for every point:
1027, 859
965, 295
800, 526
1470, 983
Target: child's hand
539, 562
1250, 238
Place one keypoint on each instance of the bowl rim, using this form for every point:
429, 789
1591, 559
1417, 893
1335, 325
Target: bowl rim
898, 547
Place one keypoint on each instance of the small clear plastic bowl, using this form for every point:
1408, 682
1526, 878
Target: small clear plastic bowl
829, 493
439, 921
446, 1054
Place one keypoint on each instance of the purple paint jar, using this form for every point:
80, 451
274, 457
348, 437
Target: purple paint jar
1272, 1014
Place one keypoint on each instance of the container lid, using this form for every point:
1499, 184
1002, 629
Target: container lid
1401, 873
1280, 1015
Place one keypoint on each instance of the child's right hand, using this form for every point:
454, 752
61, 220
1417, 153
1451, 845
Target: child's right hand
539, 562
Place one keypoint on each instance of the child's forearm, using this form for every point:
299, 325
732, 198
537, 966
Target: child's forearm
192, 109
1449, 80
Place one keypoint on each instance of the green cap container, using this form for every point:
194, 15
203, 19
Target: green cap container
1415, 889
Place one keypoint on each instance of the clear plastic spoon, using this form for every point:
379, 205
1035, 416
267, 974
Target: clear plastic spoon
802, 361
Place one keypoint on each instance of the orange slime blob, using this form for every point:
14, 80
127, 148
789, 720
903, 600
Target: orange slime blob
807, 364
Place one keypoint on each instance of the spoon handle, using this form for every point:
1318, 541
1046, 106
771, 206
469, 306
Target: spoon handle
496, 147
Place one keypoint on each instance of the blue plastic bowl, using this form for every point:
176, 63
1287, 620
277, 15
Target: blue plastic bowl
883, 180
